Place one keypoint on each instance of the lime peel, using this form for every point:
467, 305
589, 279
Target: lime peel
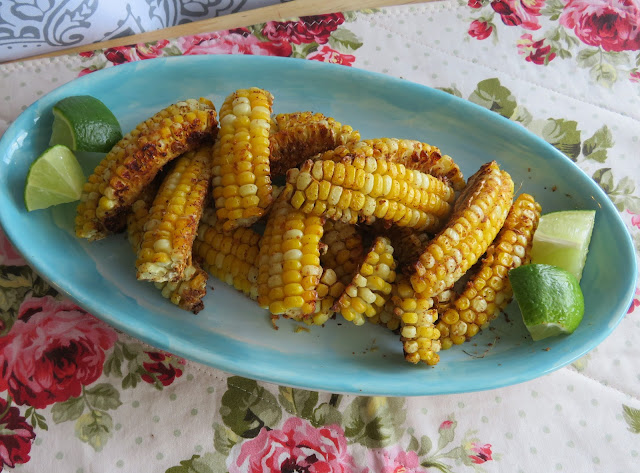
84, 123
550, 299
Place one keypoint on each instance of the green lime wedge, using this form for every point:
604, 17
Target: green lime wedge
54, 178
84, 123
562, 239
549, 298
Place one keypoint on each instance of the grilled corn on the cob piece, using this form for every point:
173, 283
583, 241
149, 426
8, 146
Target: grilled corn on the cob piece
172, 223
488, 291
136, 159
241, 173
289, 261
418, 334
344, 252
186, 293
477, 218
412, 154
370, 287
369, 188
231, 257
299, 136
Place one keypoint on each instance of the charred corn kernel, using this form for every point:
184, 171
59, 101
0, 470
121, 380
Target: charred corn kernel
134, 162
416, 322
282, 242
412, 154
427, 213
486, 294
296, 137
171, 226
443, 261
242, 188
231, 257
365, 295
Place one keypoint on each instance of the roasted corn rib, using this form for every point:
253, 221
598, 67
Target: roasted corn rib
289, 261
241, 173
418, 334
231, 257
368, 188
171, 226
134, 162
186, 293
478, 216
370, 287
410, 153
488, 291
344, 252
297, 137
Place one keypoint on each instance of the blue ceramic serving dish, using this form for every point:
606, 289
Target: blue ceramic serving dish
232, 333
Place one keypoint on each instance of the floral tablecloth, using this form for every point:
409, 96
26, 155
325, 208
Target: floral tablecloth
79, 397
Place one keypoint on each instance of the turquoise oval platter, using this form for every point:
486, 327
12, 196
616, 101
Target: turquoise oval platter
232, 333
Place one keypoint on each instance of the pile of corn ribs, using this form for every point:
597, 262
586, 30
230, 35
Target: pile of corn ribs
301, 215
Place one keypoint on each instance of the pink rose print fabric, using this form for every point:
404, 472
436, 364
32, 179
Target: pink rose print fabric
327, 54
309, 37
297, 446
16, 436
232, 43
394, 460
613, 25
522, 13
308, 29
52, 350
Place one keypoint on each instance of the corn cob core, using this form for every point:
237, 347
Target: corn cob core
367, 189
410, 153
186, 293
489, 291
172, 223
297, 137
136, 159
241, 173
289, 261
478, 215
370, 287
231, 257
340, 261
418, 334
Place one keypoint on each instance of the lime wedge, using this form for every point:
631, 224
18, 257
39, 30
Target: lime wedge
549, 298
54, 178
84, 123
562, 239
